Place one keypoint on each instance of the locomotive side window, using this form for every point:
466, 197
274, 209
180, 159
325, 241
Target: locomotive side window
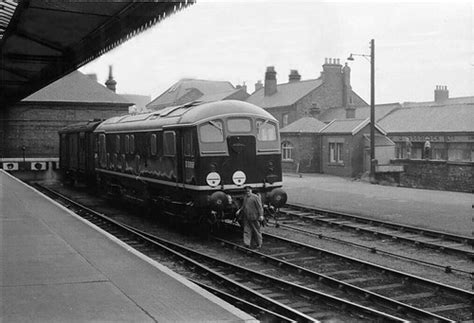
127, 144
188, 143
239, 125
212, 131
132, 144
169, 143
117, 143
153, 144
102, 153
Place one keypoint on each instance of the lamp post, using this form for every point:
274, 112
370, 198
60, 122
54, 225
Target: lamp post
372, 106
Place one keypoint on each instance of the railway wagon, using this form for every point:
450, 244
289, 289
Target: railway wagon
76, 152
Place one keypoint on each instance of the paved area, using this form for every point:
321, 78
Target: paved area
439, 210
55, 267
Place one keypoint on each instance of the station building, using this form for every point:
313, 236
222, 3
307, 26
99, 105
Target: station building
29, 133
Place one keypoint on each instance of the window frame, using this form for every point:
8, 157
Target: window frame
165, 146
287, 151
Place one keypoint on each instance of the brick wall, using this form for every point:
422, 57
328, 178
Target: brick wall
36, 126
437, 175
305, 154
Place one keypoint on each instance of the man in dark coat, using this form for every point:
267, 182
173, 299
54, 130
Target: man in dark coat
252, 215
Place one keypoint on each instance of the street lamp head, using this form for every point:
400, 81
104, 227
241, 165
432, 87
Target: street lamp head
350, 58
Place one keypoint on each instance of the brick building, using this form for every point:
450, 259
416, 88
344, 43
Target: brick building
301, 146
188, 90
345, 147
29, 130
290, 101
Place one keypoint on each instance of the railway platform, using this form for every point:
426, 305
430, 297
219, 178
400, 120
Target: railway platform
450, 212
55, 267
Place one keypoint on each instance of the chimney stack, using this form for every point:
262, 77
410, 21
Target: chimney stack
294, 76
346, 86
441, 93
110, 83
331, 70
258, 85
270, 81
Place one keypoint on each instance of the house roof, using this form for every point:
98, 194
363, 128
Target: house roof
381, 110
287, 94
445, 118
76, 87
140, 101
210, 97
348, 126
458, 100
380, 140
184, 86
304, 125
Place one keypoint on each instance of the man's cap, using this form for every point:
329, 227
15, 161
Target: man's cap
248, 186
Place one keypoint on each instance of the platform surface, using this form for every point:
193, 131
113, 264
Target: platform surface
445, 211
55, 267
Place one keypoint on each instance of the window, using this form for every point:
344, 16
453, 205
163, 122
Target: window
188, 143
127, 144
153, 145
335, 152
284, 119
266, 131
169, 143
286, 150
117, 143
102, 153
132, 144
239, 125
212, 131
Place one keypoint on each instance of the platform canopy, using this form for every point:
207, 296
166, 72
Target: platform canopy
41, 41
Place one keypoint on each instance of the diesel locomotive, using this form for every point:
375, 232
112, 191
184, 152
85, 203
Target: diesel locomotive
190, 161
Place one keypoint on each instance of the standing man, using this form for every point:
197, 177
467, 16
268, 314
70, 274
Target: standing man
252, 215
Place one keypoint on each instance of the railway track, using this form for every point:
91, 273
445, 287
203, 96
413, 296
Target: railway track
407, 294
309, 220
274, 299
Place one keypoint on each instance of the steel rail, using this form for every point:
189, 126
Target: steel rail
354, 222
417, 313
464, 295
447, 268
105, 222
312, 294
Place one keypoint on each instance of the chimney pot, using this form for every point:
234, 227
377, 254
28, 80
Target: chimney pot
294, 76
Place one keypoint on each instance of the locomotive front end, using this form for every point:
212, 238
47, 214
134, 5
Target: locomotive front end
237, 149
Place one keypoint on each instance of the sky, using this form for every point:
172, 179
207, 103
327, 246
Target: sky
417, 46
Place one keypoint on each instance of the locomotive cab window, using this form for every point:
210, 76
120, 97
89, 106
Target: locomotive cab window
212, 131
211, 138
132, 144
239, 125
267, 137
266, 131
169, 143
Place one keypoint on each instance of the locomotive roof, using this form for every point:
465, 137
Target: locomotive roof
81, 126
187, 114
